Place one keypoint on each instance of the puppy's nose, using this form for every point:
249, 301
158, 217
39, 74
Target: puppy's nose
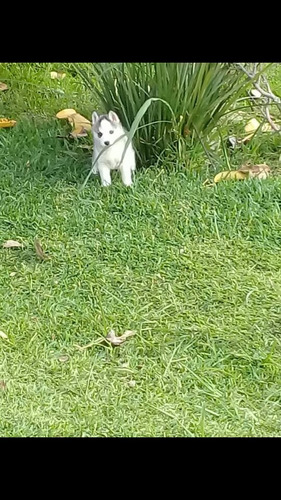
106, 143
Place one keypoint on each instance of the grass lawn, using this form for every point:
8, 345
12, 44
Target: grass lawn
195, 270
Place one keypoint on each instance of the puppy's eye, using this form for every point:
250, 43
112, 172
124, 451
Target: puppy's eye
99, 134
111, 131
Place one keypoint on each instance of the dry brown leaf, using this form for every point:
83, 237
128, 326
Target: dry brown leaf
111, 337
63, 358
186, 131
12, 244
231, 175
39, 250
3, 335
57, 75
5, 123
3, 385
78, 132
3, 86
65, 113
259, 171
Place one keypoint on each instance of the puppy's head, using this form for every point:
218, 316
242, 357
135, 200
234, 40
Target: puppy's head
106, 128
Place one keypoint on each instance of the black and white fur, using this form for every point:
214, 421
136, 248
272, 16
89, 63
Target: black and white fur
106, 129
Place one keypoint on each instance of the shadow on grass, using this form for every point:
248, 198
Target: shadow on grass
39, 148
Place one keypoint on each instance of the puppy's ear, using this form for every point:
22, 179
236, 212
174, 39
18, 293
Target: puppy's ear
95, 118
113, 117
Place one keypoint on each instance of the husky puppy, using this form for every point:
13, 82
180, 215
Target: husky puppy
106, 129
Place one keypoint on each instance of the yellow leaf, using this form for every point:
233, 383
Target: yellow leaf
252, 125
77, 121
3, 86
231, 175
3, 335
65, 113
5, 123
57, 75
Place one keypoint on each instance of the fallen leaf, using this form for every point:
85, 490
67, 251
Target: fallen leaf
252, 125
63, 358
3, 86
78, 132
231, 175
78, 120
126, 334
75, 119
12, 244
5, 123
3, 335
13, 274
111, 337
65, 113
131, 383
186, 131
3, 385
39, 250
57, 75
260, 171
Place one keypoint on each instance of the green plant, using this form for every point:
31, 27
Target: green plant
198, 93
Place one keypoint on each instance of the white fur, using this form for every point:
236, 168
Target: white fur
110, 159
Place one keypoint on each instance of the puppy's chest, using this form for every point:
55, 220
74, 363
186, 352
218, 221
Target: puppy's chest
112, 157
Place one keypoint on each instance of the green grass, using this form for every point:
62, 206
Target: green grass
195, 270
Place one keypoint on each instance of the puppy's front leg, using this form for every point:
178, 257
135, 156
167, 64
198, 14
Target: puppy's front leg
126, 174
104, 175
